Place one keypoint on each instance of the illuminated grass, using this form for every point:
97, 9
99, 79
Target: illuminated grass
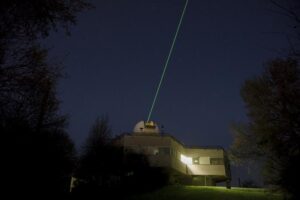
209, 193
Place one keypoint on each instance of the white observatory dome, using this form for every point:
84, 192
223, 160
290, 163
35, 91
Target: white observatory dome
143, 127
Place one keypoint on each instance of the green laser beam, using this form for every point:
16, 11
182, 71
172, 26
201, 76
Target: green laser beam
167, 62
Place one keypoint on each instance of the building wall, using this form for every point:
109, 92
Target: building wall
166, 151
177, 151
151, 146
206, 161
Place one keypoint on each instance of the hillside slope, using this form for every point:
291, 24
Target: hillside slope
208, 193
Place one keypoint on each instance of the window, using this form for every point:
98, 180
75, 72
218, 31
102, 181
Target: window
164, 151
204, 161
216, 161
196, 161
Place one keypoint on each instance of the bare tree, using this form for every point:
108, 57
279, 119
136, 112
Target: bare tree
291, 10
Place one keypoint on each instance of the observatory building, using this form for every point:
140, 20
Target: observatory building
203, 165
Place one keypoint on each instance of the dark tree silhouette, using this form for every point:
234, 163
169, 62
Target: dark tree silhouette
273, 132
28, 91
38, 155
31, 19
106, 169
99, 162
291, 10
35, 164
24, 70
92, 161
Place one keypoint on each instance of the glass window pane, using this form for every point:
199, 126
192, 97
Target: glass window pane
217, 161
204, 160
164, 151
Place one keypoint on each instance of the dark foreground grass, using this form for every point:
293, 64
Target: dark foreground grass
208, 193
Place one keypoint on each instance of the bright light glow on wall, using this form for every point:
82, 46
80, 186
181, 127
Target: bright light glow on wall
186, 160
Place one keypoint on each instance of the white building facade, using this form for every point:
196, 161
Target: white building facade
205, 165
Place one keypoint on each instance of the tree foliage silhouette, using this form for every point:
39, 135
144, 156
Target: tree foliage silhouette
39, 156
106, 168
99, 162
273, 131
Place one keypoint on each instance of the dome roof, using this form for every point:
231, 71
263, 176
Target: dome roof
143, 127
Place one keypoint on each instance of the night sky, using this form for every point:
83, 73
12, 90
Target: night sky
115, 56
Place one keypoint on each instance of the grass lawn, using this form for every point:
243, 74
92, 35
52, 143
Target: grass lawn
208, 193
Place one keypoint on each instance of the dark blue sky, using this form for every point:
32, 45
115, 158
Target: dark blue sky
115, 56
